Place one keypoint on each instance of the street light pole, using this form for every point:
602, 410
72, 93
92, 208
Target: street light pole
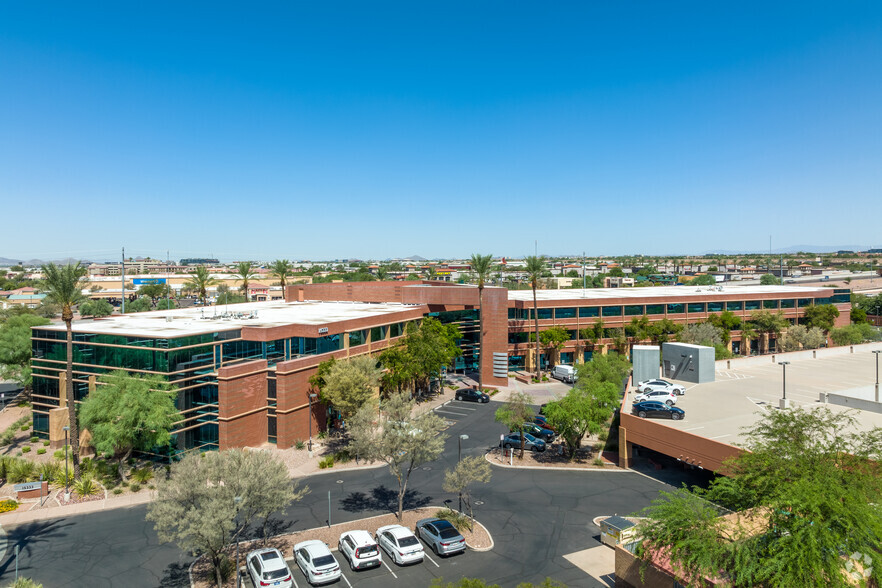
784, 403
459, 459
876, 353
66, 491
311, 397
238, 501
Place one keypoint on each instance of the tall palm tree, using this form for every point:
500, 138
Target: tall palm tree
534, 268
245, 271
282, 269
481, 266
64, 287
382, 273
199, 282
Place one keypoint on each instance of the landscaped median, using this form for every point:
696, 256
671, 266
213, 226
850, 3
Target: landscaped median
201, 574
551, 459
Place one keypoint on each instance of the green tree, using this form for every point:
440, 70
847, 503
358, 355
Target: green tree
196, 507
515, 413
129, 412
245, 271
703, 280
64, 286
15, 348
553, 340
382, 273
427, 347
154, 291
584, 409
166, 304
822, 316
767, 323
229, 298
469, 471
199, 282
808, 492
534, 268
481, 266
403, 439
282, 269
142, 304
350, 384
95, 308
702, 334
769, 280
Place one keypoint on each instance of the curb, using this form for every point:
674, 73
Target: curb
611, 468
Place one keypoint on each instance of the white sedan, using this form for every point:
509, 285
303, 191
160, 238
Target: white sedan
316, 562
401, 545
658, 396
661, 385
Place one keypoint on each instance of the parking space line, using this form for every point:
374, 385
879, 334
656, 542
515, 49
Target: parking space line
458, 407
430, 559
445, 411
693, 429
383, 561
342, 575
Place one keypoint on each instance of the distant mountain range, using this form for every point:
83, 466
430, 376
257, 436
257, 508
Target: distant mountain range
5, 261
795, 249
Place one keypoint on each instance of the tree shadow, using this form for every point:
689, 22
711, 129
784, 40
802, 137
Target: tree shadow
176, 575
31, 537
381, 498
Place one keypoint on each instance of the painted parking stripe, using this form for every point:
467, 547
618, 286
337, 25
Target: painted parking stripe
460, 407
446, 411
383, 561
342, 575
426, 555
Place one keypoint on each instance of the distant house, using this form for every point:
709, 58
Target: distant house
26, 296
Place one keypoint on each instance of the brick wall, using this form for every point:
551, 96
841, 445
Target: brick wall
242, 404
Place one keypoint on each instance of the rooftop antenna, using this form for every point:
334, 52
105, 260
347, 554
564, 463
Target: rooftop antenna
167, 282
122, 309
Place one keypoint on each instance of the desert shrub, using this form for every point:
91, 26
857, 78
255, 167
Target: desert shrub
86, 486
25, 583
59, 454
326, 462
299, 444
8, 505
142, 475
34, 439
457, 519
25, 427
50, 470
22, 471
603, 435
598, 461
41, 451
26, 449
46, 442
342, 456
117, 491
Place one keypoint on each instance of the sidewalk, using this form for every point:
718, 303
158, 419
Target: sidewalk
303, 467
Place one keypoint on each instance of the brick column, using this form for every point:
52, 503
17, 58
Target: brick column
242, 404
494, 322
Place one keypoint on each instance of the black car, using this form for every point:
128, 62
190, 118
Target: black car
546, 435
471, 395
651, 408
542, 422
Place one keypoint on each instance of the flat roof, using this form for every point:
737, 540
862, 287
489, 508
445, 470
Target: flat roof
752, 386
660, 292
210, 319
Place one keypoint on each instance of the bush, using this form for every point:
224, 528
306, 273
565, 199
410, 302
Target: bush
135, 487
41, 451
612, 445
50, 470
86, 486
25, 427
598, 461
299, 444
25, 583
46, 442
8, 505
342, 456
34, 439
22, 471
603, 435
143, 475
322, 435
117, 491
326, 462
59, 454
227, 569
59, 477
457, 519
26, 449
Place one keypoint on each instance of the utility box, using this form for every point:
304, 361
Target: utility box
616, 530
689, 363
645, 360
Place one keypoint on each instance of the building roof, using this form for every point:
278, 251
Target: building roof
198, 320
659, 292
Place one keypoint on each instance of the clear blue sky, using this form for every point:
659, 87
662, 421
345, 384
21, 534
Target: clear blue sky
382, 129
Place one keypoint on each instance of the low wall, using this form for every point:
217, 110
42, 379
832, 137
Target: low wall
851, 402
796, 355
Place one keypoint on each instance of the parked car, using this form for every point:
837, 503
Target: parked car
546, 435
267, 567
401, 545
441, 536
316, 562
542, 422
360, 549
657, 395
659, 384
513, 440
471, 395
652, 408
564, 373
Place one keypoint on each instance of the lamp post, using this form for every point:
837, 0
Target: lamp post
311, 398
459, 459
238, 501
876, 353
784, 404
66, 479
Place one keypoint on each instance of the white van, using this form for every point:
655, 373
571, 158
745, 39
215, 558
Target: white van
564, 373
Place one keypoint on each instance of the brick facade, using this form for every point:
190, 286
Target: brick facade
242, 405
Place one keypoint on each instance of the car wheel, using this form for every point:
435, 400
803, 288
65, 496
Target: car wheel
675, 416
642, 414
435, 549
669, 402
507, 446
352, 566
534, 449
459, 398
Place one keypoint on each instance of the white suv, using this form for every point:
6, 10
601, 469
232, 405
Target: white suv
658, 396
360, 549
267, 567
659, 384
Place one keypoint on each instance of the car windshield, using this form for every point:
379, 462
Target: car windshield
275, 574
367, 550
530, 437
407, 541
323, 560
449, 533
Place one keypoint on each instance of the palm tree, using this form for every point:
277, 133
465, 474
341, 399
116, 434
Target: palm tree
64, 287
245, 271
281, 268
382, 273
481, 266
199, 282
534, 268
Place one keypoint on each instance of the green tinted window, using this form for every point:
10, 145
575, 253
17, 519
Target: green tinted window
378, 334
752, 304
770, 304
612, 310
695, 307
715, 307
565, 313
589, 311
634, 310
788, 303
734, 305
675, 308
655, 309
